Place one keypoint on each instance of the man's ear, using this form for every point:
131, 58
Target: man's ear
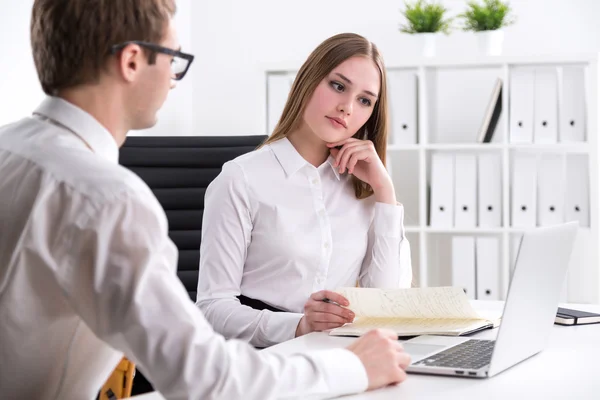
130, 61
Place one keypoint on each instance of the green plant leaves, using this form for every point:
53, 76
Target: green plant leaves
488, 16
423, 16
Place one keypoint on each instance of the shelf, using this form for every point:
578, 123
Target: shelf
429, 229
520, 230
582, 148
477, 61
471, 61
452, 97
446, 146
464, 146
554, 147
403, 147
476, 230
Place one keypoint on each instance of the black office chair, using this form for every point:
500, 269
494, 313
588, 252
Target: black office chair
178, 169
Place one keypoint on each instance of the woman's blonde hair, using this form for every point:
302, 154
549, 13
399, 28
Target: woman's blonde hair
328, 55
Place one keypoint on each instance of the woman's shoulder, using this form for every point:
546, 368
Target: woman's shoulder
253, 157
248, 163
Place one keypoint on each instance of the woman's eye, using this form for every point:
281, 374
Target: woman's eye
365, 102
337, 86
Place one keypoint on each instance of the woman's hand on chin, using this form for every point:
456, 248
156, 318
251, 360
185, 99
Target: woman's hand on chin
359, 158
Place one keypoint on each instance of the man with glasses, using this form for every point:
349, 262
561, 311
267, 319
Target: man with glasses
87, 271
180, 62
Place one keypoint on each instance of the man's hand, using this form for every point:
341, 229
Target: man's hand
383, 357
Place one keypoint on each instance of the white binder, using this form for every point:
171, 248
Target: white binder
442, 190
488, 268
489, 188
465, 190
403, 100
577, 202
521, 105
546, 105
278, 88
551, 189
524, 190
572, 105
463, 264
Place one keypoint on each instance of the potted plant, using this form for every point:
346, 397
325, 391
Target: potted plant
487, 19
426, 19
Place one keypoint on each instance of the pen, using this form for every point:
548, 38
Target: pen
326, 300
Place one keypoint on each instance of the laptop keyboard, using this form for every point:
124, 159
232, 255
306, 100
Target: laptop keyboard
472, 354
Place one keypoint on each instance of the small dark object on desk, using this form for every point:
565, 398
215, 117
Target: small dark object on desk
567, 316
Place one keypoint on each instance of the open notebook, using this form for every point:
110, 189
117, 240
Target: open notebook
412, 312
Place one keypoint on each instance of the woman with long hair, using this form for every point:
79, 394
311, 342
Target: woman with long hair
311, 210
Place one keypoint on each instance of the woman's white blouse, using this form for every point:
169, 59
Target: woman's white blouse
278, 229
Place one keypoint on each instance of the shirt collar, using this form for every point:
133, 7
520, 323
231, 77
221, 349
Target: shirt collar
331, 162
82, 124
291, 161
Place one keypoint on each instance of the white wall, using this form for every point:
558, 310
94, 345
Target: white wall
235, 40
20, 91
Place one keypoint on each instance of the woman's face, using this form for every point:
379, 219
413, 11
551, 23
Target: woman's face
343, 102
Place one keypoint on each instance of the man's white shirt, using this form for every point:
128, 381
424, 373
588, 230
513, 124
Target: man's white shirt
87, 273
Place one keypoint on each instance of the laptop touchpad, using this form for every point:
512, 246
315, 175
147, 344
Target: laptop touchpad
419, 351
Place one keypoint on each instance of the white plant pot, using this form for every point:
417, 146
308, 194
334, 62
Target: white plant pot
427, 43
490, 42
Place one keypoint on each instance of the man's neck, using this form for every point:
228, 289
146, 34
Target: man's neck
101, 104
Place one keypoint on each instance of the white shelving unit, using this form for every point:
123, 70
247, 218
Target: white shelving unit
430, 245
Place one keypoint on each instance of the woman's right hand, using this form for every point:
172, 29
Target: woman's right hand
321, 312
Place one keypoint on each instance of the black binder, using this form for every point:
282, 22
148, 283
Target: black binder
492, 114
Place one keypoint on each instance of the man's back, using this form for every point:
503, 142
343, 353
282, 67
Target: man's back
51, 185
87, 269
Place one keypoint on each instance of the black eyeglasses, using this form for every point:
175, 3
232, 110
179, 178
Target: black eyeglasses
179, 65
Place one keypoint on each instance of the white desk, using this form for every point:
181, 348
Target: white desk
569, 368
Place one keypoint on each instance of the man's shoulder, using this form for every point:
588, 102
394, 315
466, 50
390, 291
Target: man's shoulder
103, 180
83, 171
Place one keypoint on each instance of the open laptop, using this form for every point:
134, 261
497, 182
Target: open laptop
527, 320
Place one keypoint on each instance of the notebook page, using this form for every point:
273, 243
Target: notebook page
429, 302
410, 327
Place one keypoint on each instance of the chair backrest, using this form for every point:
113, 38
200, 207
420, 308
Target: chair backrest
178, 169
